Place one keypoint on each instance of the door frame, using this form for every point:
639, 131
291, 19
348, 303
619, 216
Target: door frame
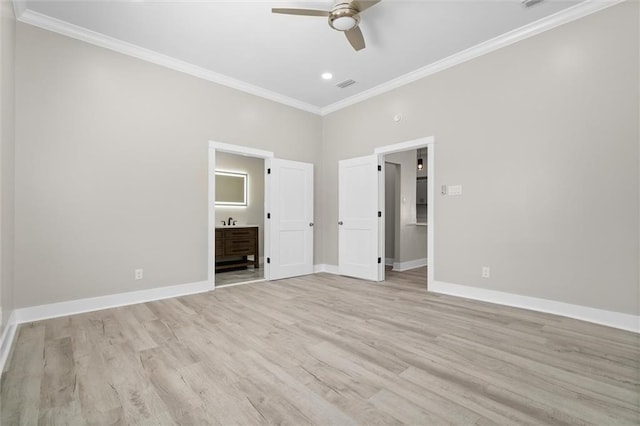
429, 143
211, 205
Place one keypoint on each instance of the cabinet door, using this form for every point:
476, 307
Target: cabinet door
219, 244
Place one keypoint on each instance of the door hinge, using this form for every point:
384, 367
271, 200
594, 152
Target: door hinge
268, 215
379, 260
379, 213
268, 260
379, 168
268, 171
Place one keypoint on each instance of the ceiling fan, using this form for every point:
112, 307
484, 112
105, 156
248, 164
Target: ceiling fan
344, 16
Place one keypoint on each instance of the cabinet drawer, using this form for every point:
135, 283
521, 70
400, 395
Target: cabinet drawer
240, 232
239, 247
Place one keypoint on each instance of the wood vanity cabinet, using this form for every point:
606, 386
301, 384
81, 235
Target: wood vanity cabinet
234, 244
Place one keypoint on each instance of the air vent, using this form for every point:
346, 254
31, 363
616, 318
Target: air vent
529, 3
345, 83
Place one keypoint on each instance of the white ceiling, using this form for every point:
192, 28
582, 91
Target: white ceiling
284, 54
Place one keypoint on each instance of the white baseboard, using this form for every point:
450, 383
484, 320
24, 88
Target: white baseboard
599, 316
411, 264
323, 267
403, 266
259, 280
6, 341
388, 261
54, 310
71, 307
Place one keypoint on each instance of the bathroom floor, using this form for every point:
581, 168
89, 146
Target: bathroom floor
234, 277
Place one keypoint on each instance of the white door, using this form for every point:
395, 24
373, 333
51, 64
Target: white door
359, 253
290, 218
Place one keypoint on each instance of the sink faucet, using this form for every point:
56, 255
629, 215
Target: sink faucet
230, 221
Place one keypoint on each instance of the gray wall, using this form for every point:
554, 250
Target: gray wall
543, 135
411, 239
7, 135
253, 213
111, 166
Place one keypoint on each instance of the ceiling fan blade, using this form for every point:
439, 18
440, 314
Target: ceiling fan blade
303, 12
356, 38
364, 4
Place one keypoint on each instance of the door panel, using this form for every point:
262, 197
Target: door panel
290, 204
358, 225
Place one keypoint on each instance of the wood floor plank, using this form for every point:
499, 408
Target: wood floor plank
321, 349
99, 401
59, 382
21, 383
140, 402
316, 408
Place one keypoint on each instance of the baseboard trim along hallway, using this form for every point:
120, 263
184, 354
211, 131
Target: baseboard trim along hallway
410, 264
79, 306
599, 316
6, 340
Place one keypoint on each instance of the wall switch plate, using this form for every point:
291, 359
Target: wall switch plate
139, 274
454, 190
486, 272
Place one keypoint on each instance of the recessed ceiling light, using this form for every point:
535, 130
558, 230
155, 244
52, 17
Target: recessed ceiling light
327, 76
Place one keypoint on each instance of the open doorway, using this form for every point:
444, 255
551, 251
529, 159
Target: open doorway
239, 219
405, 216
286, 247
418, 217
227, 158
362, 212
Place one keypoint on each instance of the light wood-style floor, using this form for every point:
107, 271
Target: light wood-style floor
321, 349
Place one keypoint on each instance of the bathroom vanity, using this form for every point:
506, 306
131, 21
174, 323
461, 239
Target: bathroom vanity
234, 244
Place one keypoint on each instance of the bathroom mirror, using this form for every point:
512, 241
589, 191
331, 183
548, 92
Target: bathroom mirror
231, 189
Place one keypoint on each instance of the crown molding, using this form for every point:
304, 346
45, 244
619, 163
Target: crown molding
565, 16
80, 33
19, 7
70, 30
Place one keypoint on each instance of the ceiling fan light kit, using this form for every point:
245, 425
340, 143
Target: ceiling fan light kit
344, 17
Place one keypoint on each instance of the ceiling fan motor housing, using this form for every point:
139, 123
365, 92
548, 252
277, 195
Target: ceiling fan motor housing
344, 17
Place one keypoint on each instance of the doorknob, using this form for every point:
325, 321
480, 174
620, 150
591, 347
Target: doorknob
310, 223
340, 223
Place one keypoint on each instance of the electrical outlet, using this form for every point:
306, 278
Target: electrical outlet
486, 272
138, 274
